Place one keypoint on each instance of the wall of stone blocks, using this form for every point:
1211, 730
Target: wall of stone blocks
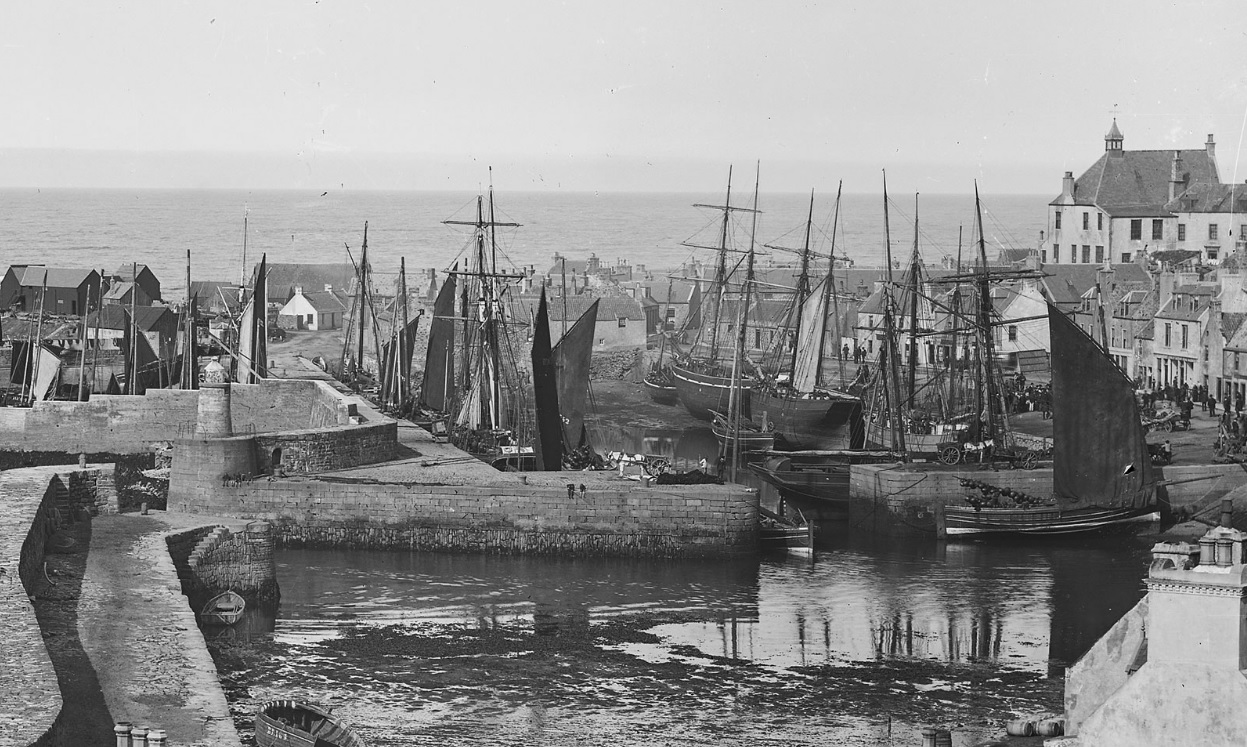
667, 521
212, 559
327, 449
285, 405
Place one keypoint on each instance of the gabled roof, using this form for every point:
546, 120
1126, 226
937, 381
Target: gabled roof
1231, 322
1066, 283
118, 290
324, 302
128, 271
57, 277
1184, 310
1135, 183
147, 318
283, 277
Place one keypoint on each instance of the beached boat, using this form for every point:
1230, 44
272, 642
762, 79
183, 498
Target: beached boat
294, 723
749, 435
1102, 473
659, 384
816, 481
225, 608
782, 532
810, 414
703, 381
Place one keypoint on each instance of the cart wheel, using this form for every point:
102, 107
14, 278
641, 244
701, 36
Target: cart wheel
656, 467
950, 454
1028, 460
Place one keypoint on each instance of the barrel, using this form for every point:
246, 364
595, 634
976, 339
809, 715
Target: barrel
1020, 727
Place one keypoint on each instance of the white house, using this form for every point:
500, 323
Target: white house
313, 310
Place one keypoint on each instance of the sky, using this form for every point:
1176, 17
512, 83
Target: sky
642, 95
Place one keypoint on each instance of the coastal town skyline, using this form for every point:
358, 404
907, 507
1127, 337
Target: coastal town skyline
651, 97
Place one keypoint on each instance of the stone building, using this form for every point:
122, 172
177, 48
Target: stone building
1121, 207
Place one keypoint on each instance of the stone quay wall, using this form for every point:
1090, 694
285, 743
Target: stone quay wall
34, 503
212, 559
126, 424
322, 450
655, 521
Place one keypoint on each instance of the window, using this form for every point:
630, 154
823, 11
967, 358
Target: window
1058, 219
1073, 252
311, 318
1136, 229
1056, 252
1043, 256
1168, 339
1181, 232
1086, 221
1236, 361
757, 338
1184, 338
623, 322
1212, 255
1086, 254
1158, 229
1099, 221
1125, 258
1099, 255
1212, 231
1013, 333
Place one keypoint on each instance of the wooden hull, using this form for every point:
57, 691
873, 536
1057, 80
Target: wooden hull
701, 393
749, 437
961, 521
223, 609
819, 486
662, 394
292, 723
776, 532
808, 422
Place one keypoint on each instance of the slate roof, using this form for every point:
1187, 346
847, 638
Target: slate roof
324, 302
147, 318
58, 277
128, 271
1231, 322
1066, 283
1211, 198
1181, 309
1135, 183
284, 277
118, 290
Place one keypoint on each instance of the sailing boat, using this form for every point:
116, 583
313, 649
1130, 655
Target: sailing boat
251, 361
1102, 473
658, 382
705, 384
803, 409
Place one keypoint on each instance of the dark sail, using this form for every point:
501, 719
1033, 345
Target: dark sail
439, 360
549, 446
572, 356
1100, 457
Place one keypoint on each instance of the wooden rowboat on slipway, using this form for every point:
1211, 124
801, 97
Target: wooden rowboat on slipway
295, 723
223, 609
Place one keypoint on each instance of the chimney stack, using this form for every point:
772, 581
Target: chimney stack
1067, 188
1211, 147
1176, 179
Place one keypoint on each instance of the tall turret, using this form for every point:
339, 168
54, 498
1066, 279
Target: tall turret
1113, 140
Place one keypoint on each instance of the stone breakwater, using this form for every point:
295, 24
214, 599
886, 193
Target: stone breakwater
129, 648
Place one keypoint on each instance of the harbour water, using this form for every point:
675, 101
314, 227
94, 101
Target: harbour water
860, 646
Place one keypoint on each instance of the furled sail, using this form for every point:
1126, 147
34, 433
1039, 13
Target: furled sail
1100, 456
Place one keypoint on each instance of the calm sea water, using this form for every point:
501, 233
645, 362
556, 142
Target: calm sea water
110, 228
862, 646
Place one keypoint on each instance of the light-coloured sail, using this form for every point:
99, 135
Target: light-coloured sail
246, 343
813, 327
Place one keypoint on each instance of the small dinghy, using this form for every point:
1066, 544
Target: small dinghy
223, 609
300, 724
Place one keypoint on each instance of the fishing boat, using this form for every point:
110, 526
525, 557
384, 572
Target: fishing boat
810, 414
659, 384
817, 482
703, 381
295, 723
746, 435
1102, 473
782, 532
225, 608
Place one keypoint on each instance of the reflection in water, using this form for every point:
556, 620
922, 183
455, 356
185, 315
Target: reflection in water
568, 650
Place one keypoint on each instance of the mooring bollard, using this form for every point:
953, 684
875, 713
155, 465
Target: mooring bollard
138, 736
122, 730
143, 509
156, 738
82, 460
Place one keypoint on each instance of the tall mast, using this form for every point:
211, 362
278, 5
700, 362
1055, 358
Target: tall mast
893, 387
242, 273
720, 270
99, 318
404, 355
803, 289
735, 407
956, 320
829, 294
363, 303
82, 360
34, 349
132, 379
913, 314
984, 324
